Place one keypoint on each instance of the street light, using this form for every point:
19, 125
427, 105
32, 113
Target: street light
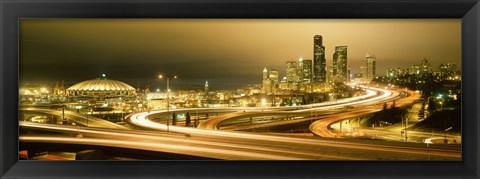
168, 89
446, 129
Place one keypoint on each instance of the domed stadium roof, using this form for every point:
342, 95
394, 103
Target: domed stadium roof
101, 88
101, 84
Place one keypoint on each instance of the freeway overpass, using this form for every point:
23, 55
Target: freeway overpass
235, 145
322, 127
230, 145
373, 96
80, 119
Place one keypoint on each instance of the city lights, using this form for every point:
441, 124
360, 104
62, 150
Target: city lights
242, 92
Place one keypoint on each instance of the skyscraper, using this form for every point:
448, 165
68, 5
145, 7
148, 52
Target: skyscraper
371, 71
363, 73
414, 70
291, 72
273, 76
319, 61
300, 69
270, 81
340, 69
266, 81
307, 71
448, 68
329, 74
265, 73
425, 67
292, 78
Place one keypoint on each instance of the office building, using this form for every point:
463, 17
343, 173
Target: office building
319, 61
340, 68
307, 71
425, 67
371, 67
291, 72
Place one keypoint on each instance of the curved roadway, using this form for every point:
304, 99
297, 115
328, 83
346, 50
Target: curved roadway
235, 145
77, 118
321, 127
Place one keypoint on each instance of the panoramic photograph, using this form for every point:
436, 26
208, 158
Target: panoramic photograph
240, 89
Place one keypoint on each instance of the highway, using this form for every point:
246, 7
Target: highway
235, 145
321, 127
231, 145
302, 110
80, 119
373, 96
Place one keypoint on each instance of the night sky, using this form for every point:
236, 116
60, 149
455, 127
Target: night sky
227, 53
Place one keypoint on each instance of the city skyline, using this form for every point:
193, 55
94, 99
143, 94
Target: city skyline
118, 89
128, 49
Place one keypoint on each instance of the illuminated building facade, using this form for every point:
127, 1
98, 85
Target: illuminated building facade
425, 67
300, 69
59, 90
396, 72
273, 76
270, 81
414, 70
266, 88
371, 67
340, 68
449, 71
291, 72
319, 61
448, 68
307, 71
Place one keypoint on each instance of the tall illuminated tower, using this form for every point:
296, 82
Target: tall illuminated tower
266, 82
319, 61
300, 69
340, 69
371, 65
273, 76
307, 71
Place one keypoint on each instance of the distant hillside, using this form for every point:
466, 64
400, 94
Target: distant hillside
437, 121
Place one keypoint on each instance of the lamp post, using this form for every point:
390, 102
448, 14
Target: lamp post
168, 90
446, 129
63, 113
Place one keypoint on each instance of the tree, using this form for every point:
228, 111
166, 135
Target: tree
174, 119
432, 106
187, 119
421, 112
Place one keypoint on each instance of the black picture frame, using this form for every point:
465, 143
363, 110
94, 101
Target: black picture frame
12, 10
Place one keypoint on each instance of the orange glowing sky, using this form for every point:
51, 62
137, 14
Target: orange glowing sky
224, 49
